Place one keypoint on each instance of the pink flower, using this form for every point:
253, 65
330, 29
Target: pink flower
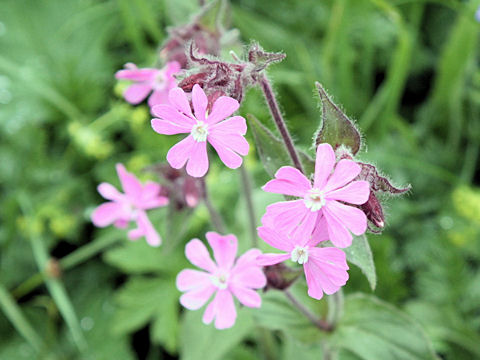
325, 268
226, 278
130, 206
226, 136
324, 203
146, 80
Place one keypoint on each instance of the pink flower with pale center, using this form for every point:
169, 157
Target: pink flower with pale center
149, 80
225, 278
323, 203
225, 134
130, 206
325, 268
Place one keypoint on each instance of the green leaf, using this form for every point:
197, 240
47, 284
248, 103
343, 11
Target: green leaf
144, 299
372, 329
139, 257
336, 128
278, 313
360, 254
272, 151
200, 339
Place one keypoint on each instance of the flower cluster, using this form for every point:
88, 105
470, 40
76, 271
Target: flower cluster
310, 230
130, 206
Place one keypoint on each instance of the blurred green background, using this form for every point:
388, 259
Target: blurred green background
407, 71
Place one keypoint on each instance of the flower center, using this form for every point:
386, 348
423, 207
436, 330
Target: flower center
315, 199
299, 254
220, 280
200, 131
159, 81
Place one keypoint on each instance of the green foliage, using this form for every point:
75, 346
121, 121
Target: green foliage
407, 70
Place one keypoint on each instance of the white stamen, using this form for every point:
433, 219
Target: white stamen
200, 131
299, 254
220, 280
315, 199
159, 81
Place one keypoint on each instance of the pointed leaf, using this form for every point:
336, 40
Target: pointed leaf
272, 151
336, 128
373, 329
360, 254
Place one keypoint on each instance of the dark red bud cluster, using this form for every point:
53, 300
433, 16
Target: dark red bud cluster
280, 277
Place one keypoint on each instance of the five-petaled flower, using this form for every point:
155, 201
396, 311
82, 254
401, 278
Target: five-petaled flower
130, 206
225, 278
322, 204
226, 136
325, 268
149, 80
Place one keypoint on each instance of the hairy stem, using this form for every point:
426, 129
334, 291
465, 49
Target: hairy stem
247, 192
215, 217
279, 121
321, 324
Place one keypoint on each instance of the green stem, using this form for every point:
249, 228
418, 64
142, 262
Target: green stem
215, 217
335, 308
54, 285
321, 324
14, 314
80, 255
247, 192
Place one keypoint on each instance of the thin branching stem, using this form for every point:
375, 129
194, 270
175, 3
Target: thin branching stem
215, 217
279, 121
321, 324
247, 192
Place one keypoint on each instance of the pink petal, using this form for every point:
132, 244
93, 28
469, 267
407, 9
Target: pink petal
320, 232
170, 114
106, 214
249, 277
285, 215
189, 279
247, 297
196, 298
337, 232
200, 102
172, 68
323, 164
197, 253
130, 184
136, 93
226, 141
326, 271
224, 249
272, 259
248, 259
168, 128
228, 156
288, 181
197, 165
357, 192
345, 171
158, 97
135, 74
233, 125
178, 155
178, 99
275, 239
222, 108
353, 218
151, 235
109, 192
303, 233
223, 309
